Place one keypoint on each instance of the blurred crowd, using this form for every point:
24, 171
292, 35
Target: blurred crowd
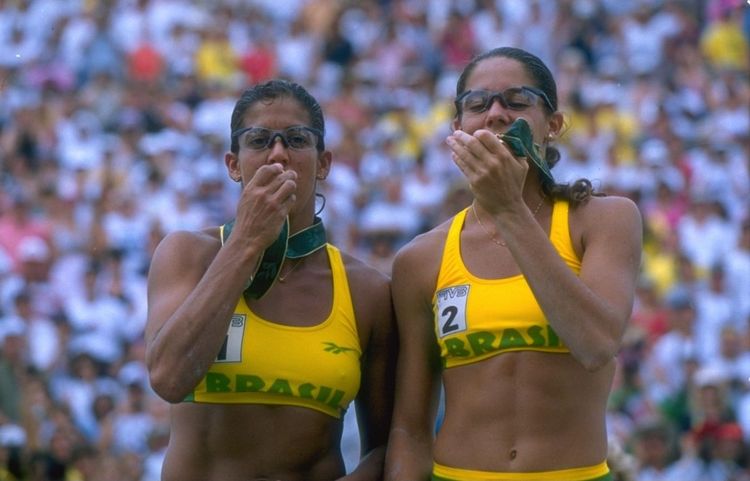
114, 120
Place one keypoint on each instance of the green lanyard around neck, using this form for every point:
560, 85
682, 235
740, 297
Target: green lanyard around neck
298, 245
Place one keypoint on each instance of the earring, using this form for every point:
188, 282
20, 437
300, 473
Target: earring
323, 198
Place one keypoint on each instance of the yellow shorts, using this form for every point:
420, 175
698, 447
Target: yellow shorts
599, 472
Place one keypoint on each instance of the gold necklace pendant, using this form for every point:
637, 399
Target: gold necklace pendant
283, 278
486, 230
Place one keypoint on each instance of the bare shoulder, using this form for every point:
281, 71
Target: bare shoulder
362, 275
418, 262
370, 291
184, 251
605, 213
606, 206
422, 252
611, 223
206, 238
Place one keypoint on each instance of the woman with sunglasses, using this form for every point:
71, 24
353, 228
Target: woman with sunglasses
516, 305
259, 332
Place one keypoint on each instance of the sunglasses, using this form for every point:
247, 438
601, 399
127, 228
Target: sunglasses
514, 98
298, 137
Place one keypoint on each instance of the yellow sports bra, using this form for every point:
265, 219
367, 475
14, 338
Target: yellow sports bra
261, 362
479, 318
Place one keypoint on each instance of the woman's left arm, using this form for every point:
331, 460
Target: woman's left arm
371, 296
588, 311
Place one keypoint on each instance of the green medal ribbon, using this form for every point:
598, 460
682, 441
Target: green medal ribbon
519, 140
307, 241
301, 244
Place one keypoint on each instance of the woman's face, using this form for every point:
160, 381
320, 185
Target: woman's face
279, 114
497, 74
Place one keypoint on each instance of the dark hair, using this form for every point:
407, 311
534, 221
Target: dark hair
542, 78
269, 91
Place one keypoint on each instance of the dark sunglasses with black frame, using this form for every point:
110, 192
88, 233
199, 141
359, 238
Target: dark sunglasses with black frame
513, 98
296, 137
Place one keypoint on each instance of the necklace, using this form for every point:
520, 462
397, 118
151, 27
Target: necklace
295, 246
491, 234
285, 276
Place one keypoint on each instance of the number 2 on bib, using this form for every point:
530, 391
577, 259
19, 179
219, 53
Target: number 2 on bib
450, 315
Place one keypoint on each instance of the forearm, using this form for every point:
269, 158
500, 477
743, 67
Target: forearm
408, 458
188, 341
370, 467
589, 325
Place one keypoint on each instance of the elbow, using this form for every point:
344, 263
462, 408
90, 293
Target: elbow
593, 364
165, 384
167, 389
595, 359
599, 348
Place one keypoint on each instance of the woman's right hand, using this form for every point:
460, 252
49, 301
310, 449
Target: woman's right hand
264, 205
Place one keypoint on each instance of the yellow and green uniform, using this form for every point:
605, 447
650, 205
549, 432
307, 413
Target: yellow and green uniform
479, 318
476, 319
261, 362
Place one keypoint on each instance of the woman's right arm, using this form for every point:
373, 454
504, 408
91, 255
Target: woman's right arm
409, 454
193, 287
194, 283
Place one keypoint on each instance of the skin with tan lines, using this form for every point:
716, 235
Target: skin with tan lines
194, 287
521, 411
